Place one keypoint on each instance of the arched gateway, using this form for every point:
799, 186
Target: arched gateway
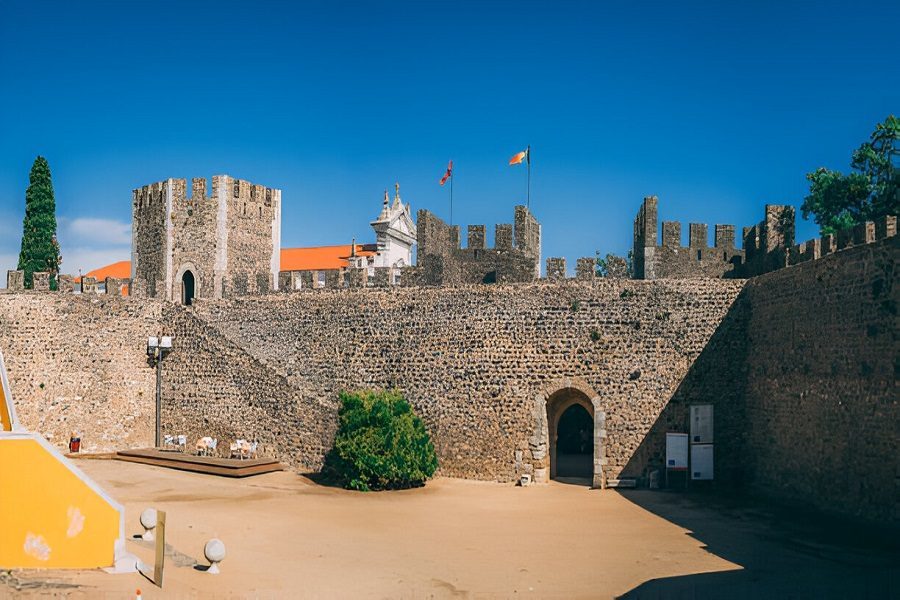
570, 430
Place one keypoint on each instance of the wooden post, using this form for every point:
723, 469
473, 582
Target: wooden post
160, 548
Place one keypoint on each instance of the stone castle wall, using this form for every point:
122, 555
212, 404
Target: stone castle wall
471, 359
802, 377
194, 248
79, 363
799, 363
820, 401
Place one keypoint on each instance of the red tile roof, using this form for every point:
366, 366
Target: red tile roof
120, 270
321, 258
317, 258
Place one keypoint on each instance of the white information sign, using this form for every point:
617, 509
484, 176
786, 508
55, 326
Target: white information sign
702, 424
677, 451
701, 462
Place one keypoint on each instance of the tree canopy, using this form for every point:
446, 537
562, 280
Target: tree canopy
40, 250
871, 190
614, 266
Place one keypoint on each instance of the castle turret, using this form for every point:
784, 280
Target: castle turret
224, 244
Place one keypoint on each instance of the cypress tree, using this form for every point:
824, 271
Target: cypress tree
40, 250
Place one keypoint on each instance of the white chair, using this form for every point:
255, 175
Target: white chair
211, 447
251, 451
203, 445
168, 441
182, 442
236, 448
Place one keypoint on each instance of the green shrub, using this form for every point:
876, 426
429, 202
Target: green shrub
380, 444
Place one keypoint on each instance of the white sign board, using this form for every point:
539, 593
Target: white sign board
702, 424
701, 461
677, 451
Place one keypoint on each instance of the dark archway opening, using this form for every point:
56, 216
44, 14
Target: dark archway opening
575, 443
187, 288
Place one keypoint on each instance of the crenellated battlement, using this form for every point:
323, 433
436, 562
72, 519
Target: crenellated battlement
671, 259
223, 187
515, 255
767, 246
858, 235
66, 284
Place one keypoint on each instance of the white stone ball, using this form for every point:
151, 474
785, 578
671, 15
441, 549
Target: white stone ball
148, 518
214, 550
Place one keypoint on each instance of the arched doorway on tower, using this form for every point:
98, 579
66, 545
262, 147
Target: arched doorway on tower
570, 420
187, 288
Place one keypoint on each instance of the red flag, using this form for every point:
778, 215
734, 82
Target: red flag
448, 174
519, 157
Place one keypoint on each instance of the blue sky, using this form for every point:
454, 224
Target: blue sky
716, 109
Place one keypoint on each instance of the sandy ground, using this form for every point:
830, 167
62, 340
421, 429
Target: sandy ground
287, 537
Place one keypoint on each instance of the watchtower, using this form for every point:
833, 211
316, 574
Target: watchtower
221, 245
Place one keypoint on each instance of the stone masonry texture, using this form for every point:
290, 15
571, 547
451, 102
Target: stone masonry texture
78, 363
471, 360
802, 376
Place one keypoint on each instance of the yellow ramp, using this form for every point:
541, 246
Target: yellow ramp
7, 410
51, 514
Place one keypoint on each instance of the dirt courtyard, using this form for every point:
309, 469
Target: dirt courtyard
287, 537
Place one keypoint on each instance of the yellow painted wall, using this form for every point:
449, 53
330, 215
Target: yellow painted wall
49, 515
5, 416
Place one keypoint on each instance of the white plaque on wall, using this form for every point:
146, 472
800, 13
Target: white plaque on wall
701, 461
702, 424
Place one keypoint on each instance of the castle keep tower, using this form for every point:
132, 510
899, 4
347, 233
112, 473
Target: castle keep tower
217, 246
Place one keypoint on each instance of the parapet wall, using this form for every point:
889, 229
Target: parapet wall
66, 284
767, 246
864, 233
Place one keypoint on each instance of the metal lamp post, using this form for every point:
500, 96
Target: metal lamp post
157, 348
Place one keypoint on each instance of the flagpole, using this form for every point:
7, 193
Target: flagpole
451, 198
528, 163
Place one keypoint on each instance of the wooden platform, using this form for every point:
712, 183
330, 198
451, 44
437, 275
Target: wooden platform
226, 467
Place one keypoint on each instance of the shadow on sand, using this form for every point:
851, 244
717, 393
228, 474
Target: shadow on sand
781, 552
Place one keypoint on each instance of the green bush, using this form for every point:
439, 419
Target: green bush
380, 444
